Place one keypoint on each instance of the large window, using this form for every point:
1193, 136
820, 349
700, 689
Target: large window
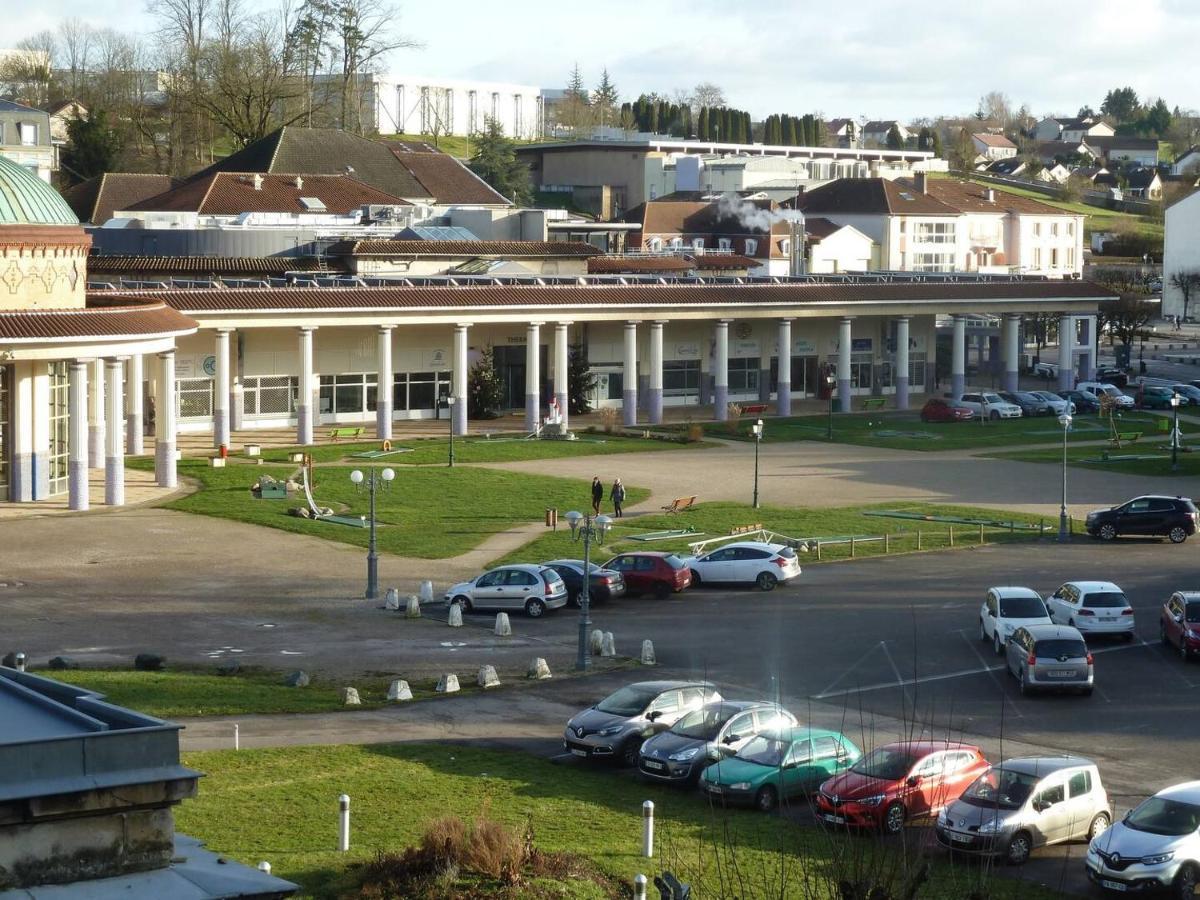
270, 395
348, 394
743, 375
681, 377
195, 397
417, 390
860, 370
933, 262
916, 368
4, 432
934, 232
60, 426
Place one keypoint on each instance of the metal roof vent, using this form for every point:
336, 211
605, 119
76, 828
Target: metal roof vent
313, 204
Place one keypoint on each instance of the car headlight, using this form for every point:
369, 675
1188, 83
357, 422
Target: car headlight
684, 755
992, 827
1158, 858
610, 730
941, 819
740, 786
874, 800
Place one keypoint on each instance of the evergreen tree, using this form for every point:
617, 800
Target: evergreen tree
485, 391
702, 124
685, 123
575, 87
1158, 119
747, 128
894, 141
789, 131
495, 161
580, 382
936, 145
925, 139
604, 99
92, 146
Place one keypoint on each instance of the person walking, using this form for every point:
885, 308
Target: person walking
597, 494
617, 495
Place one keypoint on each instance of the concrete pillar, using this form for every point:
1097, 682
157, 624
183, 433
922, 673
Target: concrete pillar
562, 369
458, 381
533, 376
114, 456
1066, 342
783, 390
1084, 362
22, 473
134, 377
383, 381
901, 369
165, 419
845, 341
958, 358
654, 395
306, 410
221, 390
629, 383
96, 415
77, 449
721, 371
1011, 341
981, 344
1093, 348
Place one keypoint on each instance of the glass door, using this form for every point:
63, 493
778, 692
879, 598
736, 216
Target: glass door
60, 426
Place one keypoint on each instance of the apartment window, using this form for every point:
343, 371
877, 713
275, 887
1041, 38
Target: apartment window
786, 246
933, 262
270, 395
1070, 229
28, 132
724, 244
425, 116
698, 244
656, 244
518, 120
676, 243
348, 394
934, 232
1037, 229
751, 246
681, 377
743, 375
1054, 258
1053, 229
1037, 257
496, 107
1070, 257
916, 368
472, 111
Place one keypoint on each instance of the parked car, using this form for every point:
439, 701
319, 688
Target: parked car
1154, 396
1045, 369
1057, 404
1112, 375
661, 574
1172, 517
938, 410
679, 754
745, 562
897, 782
1005, 609
1030, 403
613, 729
1022, 804
1188, 392
1179, 623
1050, 657
1094, 607
1084, 403
603, 584
1156, 845
533, 589
1101, 389
990, 405
777, 765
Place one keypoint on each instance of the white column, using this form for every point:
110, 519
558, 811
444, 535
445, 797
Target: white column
901, 370
383, 391
77, 450
96, 416
721, 371
958, 358
1011, 350
459, 380
1086, 365
22, 473
165, 418
1066, 347
533, 376
783, 390
134, 376
306, 413
562, 368
845, 341
629, 397
221, 390
654, 392
114, 457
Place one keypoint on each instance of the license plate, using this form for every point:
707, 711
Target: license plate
651, 764
961, 838
1114, 885
713, 788
1061, 673
834, 820
1108, 618
578, 752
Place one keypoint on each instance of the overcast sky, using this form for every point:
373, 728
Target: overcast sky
873, 58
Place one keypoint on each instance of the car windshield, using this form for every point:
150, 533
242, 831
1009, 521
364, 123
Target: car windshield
1022, 608
1028, 398
1000, 788
1158, 815
764, 750
1105, 600
885, 763
1060, 648
992, 398
628, 701
704, 723
1192, 612
1110, 390
674, 561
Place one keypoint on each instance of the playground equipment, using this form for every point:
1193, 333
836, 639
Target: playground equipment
321, 513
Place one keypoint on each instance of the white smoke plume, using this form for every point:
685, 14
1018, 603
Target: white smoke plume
752, 217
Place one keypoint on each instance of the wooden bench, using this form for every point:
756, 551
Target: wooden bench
1125, 437
679, 504
336, 434
753, 409
874, 403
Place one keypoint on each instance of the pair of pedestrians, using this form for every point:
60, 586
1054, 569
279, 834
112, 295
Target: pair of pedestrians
616, 494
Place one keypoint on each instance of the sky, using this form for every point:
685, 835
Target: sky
869, 58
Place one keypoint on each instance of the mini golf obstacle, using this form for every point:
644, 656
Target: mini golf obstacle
385, 449
953, 520
321, 513
663, 535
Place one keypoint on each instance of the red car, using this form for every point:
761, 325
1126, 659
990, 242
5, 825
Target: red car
661, 574
938, 410
897, 782
1179, 624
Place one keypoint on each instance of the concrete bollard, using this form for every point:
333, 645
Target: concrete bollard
596, 642
648, 829
264, 867
391, 600
426, 592
648, 658
344, 823
413, 609
447, 684
639, 887
503, 626
399, 690
20, 662
538, 669
350, 697
237, 737
455, 618
487, 677
608, 647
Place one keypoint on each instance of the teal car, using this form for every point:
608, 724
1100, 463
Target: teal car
779, 764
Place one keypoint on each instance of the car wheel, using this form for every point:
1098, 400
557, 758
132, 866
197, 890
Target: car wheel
766, 581
696, 580
982, 631
1018, 849
997, 645
1184, 887
1127, 637
1099, 825
534, 608
576, 599
662, 590
463, 601
629, 752
1177, 535
1108, 532
1162, 635
994, 416
766, 799
893, 818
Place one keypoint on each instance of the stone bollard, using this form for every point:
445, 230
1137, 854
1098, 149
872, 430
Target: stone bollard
391, 599
639, 887
596, 642
487, 677
297, 679
399, 690
426, 592
350, 697
447, 684
455, 618
538, 669
608, 647
503, 626
413, 609
648, 653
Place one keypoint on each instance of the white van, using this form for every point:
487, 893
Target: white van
1099, 390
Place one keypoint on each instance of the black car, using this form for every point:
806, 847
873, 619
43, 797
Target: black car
604, 583
1031, 405
1112, 375
1084, 403
1171, 517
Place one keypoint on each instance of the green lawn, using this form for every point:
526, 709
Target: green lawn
716, 519
280, 805
1091, 458
427, 513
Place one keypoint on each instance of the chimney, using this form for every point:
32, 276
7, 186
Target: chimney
299, 183
989, 195
258, 181
922, 182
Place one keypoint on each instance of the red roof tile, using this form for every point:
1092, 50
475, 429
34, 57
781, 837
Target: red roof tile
111, 316
96, 199
615, 265
204, 265
448, 180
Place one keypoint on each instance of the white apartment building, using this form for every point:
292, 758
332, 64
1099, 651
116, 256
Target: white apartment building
408, 104
1181, 253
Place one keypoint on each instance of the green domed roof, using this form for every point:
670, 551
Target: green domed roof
27, 200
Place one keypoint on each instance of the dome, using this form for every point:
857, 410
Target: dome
27, 200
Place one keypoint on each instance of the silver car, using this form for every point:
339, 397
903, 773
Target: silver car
1156, 845
1050, 657
533, 589
1019, 805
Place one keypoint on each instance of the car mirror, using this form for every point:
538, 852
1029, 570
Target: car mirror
730, 738
654, 715
1040, 806
913, 780
726, 751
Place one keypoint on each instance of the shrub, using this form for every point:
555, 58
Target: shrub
694, 433
734, 420
608, 418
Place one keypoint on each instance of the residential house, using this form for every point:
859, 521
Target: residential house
993, 146
1067, 152
1181, 254
844, 132
1050, 128
831, 248
1056, 173
61, 115
874, 134
1121, 150
25, 138
1098, 176
1084, 128
1187, 162
1144, 184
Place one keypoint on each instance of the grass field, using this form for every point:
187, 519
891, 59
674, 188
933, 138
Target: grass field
1090, 458
280, 805
428, 512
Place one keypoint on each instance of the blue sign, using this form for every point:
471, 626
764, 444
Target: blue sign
210, 366
860, 344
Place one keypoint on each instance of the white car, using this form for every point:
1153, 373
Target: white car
990, 405
749, 562
1100, 390
1092, 607
533, 589
1005, 609
1157, 845
1058, 405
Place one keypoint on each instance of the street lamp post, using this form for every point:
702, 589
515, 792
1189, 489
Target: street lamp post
374, 481
1174, 432
586, 528
1063, 533
450, 403
757, 430
830, 381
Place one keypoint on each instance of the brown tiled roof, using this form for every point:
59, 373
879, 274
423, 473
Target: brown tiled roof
105, 317
447, 180
817, 228
465, 248
724, 261
96, 199
993, 140
233, 193
970, 197
610, 265
1110, 142
206, 265
871, 196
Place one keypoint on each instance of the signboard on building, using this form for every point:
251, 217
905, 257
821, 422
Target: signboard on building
687, 351
436, 360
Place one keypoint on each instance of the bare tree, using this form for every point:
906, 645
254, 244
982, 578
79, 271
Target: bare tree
994, 106
707, 94
28, 74
74, 49
362, 34
1187, 282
